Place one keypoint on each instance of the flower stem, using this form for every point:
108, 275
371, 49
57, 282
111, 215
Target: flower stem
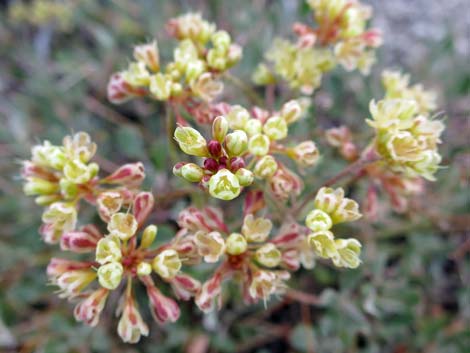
352, 169
251, 94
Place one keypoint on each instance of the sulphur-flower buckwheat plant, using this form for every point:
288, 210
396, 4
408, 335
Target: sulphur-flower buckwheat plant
250, 157
203, 53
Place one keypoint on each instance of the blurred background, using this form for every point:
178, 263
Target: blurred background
412, 294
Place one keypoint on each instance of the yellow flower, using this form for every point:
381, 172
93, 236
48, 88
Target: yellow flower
256, 229
209, 245
148, 54
137, 74
207, 87
237, 117
348, 253
224, 185
78, 172
191, 141
110, 275
268, 255
275, 128
392, 113
236, 143
317, 220
167, 264
323, 244
61, 215
266, 167
328, 199
236, 244
160, 86
122, 225
144, 269
79, 146
108, 249
47, 155
347, 211
259, 145
305, 153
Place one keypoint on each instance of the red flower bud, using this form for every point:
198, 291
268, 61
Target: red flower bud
215, 148
131, 174
185, 286
143, 205
211, 164
58, 267
236, 163
81, 241
120, 91
164, 309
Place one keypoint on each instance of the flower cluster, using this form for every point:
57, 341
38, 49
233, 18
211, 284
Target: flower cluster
405, 139
203, 53
223, 172
397, 86
340, 37
258, 263
256, 138
121, 258
331, 207
60, 176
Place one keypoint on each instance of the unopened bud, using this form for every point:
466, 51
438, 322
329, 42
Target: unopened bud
220, 127
144, 269
215, 148
108, 249
236, 143
291, 111
110, 275
236, 244
266, 167
318, 220
148, 236
221, 40
177, 169
275, 128
245, 176
192, 172
236, 163
237, 117
259, 145
268, 255
37, 186
211, 164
